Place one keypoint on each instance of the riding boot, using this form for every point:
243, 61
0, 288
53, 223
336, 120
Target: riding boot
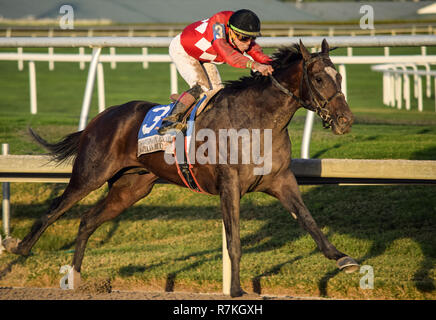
182, 105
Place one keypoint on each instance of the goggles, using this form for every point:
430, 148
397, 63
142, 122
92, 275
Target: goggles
244, 38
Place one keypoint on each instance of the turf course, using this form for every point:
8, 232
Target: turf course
172, 239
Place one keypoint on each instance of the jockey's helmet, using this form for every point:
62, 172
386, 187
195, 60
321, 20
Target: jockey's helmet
245, 22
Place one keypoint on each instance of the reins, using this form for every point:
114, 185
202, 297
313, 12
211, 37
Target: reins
320, 106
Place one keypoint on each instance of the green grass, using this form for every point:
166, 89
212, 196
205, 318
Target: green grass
172, 239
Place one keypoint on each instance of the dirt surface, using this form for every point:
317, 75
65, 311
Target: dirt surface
8, 293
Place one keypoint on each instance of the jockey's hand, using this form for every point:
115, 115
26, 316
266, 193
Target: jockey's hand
264, 69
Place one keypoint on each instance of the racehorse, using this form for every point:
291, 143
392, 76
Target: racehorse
106, 151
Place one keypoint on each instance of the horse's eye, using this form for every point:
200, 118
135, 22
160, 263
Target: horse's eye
318, 79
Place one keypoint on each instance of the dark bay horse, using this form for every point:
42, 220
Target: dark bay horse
107, 149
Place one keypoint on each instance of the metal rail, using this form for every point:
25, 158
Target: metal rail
26, 168
112, 42
140, 42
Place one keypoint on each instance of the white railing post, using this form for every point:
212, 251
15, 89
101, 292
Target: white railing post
112, 52
406, 89
343, 73
173, 76
50, 51
81, 53
100, 86
89, 87
32, 86
20, 61
398, 91
227, 266
415, 80
51, 62
392, 89
385, 88
6, 204
307, 133
145, 53
420, 94
427, 80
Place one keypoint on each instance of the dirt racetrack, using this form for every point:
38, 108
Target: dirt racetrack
8, 293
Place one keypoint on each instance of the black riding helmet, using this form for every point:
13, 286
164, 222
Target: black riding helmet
245, 22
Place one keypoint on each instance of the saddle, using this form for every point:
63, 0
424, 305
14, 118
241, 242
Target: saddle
205, 95
149, 139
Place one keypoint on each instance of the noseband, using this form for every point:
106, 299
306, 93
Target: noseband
318, 103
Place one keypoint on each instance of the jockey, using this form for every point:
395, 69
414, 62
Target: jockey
226, 37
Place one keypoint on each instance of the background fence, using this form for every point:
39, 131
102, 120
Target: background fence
96, 58
268, 29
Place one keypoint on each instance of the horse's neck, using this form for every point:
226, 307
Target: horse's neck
261, 109
284, 107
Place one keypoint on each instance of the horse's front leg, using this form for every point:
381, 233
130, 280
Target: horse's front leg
285, 189
230, 200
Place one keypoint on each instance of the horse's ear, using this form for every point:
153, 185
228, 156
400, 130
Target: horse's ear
325, 47
304, 52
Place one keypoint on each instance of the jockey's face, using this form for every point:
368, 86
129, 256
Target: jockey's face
240, 41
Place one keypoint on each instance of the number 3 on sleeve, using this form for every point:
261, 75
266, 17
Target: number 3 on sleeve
219, 31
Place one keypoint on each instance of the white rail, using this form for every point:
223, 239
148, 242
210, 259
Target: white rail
396, 83
96, 70
143, 42
271, 42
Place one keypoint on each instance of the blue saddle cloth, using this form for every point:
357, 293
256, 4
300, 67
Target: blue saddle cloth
149, 139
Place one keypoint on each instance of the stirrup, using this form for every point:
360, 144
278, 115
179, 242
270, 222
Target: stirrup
172, 126
172, 118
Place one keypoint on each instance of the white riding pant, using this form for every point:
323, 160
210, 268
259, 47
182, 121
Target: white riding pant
193, 71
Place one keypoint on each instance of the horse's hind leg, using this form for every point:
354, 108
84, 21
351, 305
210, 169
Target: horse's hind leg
84, 179
123, 193
285, 189
58, 207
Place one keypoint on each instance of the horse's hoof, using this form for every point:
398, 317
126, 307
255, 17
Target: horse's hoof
11, 245
237, 293
347, 264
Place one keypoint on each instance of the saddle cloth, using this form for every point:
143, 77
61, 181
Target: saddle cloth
149, 139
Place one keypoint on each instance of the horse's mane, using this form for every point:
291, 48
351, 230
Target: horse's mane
282, 59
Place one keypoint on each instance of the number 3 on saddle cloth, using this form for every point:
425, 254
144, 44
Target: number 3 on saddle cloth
149, 140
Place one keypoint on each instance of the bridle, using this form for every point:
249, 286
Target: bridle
318, 102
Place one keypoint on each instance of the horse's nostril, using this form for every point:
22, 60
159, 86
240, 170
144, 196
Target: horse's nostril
342, 120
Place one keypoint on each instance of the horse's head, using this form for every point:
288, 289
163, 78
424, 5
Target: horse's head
323, 90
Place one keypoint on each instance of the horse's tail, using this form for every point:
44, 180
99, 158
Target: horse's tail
63, 150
